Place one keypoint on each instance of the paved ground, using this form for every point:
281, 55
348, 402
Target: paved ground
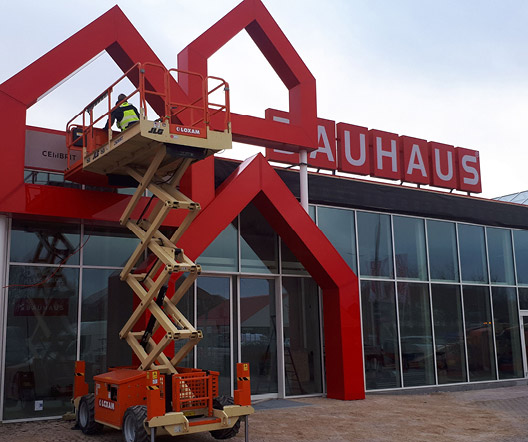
498, 415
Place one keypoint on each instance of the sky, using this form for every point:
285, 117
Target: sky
454, 72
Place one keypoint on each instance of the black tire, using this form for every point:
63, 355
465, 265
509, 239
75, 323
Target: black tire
133, 429
86, 415
226, 433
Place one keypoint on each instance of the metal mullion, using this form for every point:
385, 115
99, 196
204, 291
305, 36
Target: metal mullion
4, 291
231, 365
195, 319
79, 303
321, 339
521, 317
239, 340
461, 286
360, 299
433, 334
490, 297
281, 378
523, 340
320, 295
395, 285
239, 245
38, 264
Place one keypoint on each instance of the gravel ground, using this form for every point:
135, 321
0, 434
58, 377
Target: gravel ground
497, 415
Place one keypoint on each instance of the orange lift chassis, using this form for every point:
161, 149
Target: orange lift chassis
158, 396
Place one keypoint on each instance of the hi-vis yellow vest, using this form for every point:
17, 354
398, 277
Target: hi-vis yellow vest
129, 116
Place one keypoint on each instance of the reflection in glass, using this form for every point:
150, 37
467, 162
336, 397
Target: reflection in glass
311, 212
409, 248
302, 346
479, 334
500, 255
186, 306
415, 334
375, 248
107, 246
94, 320
380, 335
339, 227
472, 253
222, 253
449, 334
44, 243
507, 333
41, 341
520, 239
258, 243
290, 265
443, 260
258, 334
213, 319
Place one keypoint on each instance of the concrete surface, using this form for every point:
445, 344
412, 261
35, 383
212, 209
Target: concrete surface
496, 414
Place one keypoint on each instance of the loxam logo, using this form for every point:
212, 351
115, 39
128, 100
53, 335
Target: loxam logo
107, 404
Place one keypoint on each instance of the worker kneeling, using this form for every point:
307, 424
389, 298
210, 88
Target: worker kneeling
125, 115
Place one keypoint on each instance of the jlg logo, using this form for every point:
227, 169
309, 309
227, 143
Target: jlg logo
156, 131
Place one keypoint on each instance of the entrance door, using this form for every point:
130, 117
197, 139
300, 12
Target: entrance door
258, 333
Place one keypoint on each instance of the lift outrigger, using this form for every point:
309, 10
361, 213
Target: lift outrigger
157, 396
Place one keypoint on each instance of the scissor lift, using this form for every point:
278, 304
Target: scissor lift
157, 396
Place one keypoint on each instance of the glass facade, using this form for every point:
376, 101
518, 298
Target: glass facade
440, 305
458, 320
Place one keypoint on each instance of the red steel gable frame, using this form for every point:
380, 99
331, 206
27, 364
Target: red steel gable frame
252, 16
253, 181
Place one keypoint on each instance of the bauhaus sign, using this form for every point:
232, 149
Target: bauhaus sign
358, 150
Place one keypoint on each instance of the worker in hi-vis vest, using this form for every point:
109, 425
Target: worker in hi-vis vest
125, 114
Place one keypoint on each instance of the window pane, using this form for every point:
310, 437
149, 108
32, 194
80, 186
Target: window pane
479, 336
523, 299
108, 246
290, 265
214, 350
472, 253
259, 243
339, 227
380, 335
311, 212
449, 334
258, 333
44, 243
375, 249
186, 307
416, 335
107, 303
507, 332
409, 248
520, 238
222, 253
443, 260
41, 341
500, 255
302, 345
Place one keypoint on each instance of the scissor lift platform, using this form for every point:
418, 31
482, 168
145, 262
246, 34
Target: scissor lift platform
136, 147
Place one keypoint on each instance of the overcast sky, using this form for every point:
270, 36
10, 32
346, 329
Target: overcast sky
454, 72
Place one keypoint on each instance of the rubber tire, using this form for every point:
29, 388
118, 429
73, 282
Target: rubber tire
226, 433
133, 429
86, 415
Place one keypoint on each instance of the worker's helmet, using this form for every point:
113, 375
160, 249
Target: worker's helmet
120, 98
